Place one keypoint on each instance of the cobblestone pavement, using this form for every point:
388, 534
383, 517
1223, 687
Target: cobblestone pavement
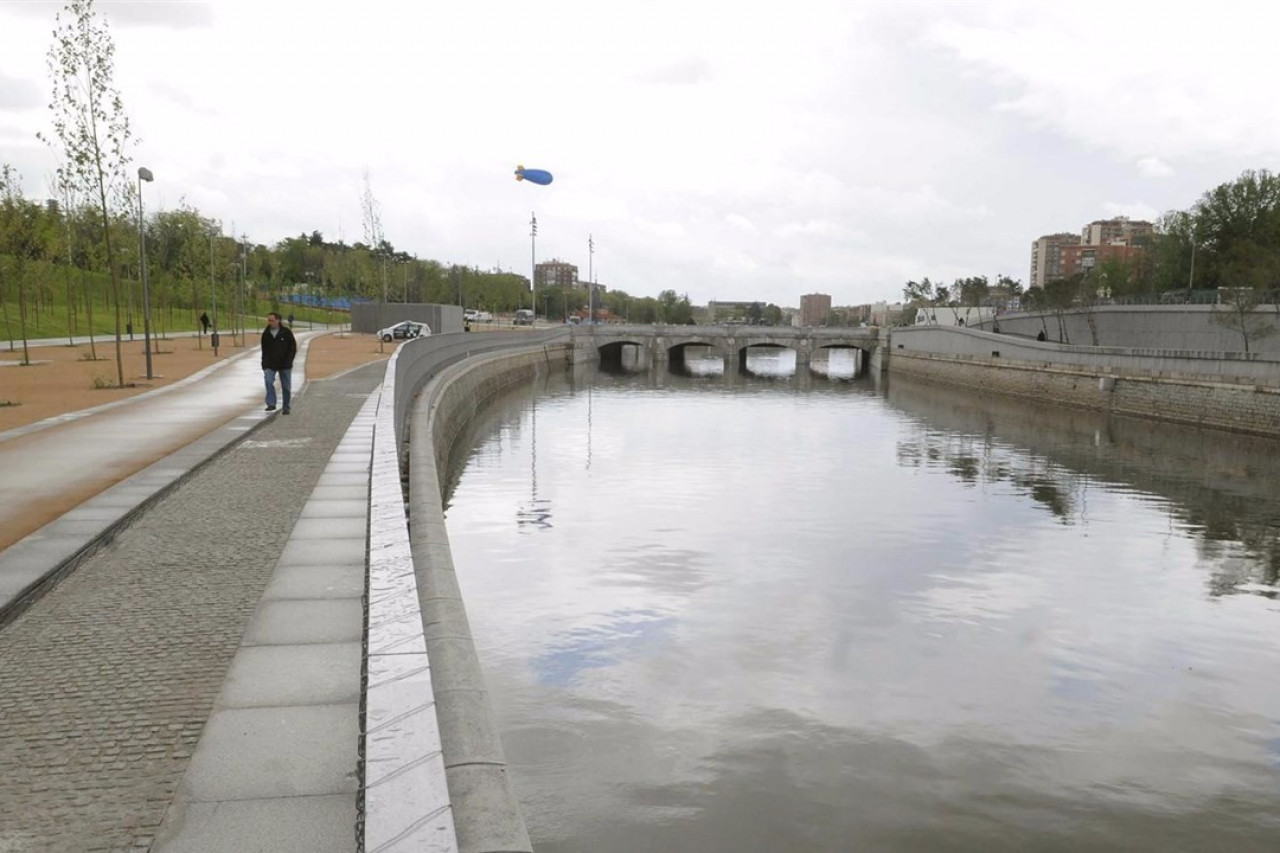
106, 682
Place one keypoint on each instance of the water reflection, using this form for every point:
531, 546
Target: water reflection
1215, 487
771, 618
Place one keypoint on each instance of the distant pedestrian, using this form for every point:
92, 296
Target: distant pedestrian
290, 321
204, 323
278, 349
1040, 336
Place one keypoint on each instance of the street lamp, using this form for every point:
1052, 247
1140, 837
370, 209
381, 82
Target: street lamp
1191, 278
144, 174
213, 294
533, 271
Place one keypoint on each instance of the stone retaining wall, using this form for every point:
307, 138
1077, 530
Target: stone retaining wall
1238, 407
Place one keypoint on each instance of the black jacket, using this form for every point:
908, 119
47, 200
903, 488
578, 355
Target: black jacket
278, 350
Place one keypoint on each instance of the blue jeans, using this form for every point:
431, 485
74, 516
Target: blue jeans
286, 384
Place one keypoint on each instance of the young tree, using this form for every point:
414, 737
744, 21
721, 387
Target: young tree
1252, 267
19, 238
90, 126
973, 291
1238, 311
918, 292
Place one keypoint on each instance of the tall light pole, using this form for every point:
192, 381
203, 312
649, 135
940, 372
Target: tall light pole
243, 290
591, 278
213, 294
533, 266
144, 174
1192, 277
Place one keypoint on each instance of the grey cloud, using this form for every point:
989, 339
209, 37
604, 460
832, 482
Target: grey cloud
16, 94
181, 98
172, 14
685, 72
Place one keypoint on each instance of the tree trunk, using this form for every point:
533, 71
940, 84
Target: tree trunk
115, 279
88, 298
8, 327
22, 311
1093, 325
70, 306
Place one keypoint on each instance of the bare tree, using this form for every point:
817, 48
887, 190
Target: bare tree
90, 127
373, 235
1238, 311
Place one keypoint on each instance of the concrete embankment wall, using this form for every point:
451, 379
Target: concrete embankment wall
1222, 390
1180, 327
486, 813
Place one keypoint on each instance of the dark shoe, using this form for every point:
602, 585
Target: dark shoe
285, 410
270, 408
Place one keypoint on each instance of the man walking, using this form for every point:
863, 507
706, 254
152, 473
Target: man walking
278, 349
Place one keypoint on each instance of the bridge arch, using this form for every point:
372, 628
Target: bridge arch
622, 355
861, 355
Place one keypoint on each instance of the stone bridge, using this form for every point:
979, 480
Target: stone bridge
660, 343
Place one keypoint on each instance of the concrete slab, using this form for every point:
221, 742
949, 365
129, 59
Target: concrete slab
350, 456
327, 479
347, 467
316, 582
46, 550
267, 753
324, 552
330, 528
91, 511
82, 528
317, 674
339, 493
15, 579
296, 621
320, 824
336, 509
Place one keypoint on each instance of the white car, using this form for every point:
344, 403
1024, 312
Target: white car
404, 331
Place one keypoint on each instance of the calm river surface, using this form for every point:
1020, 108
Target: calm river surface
814, 615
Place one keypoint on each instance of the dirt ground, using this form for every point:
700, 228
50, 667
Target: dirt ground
64, 379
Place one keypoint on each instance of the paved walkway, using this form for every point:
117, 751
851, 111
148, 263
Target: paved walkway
110, 677
48, 469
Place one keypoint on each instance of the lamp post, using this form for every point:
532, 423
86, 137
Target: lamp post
591, 278
144, 174
1191, 278
213, 294
244, 287
533, 268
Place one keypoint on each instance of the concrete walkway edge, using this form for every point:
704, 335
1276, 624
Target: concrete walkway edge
404, 796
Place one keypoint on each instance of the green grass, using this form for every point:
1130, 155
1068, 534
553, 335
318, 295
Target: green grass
51, 320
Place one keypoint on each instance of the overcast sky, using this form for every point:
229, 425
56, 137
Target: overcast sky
727, 150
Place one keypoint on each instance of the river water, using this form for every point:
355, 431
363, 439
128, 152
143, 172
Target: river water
809, 614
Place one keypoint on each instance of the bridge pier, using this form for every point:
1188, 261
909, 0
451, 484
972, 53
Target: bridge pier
735, 361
